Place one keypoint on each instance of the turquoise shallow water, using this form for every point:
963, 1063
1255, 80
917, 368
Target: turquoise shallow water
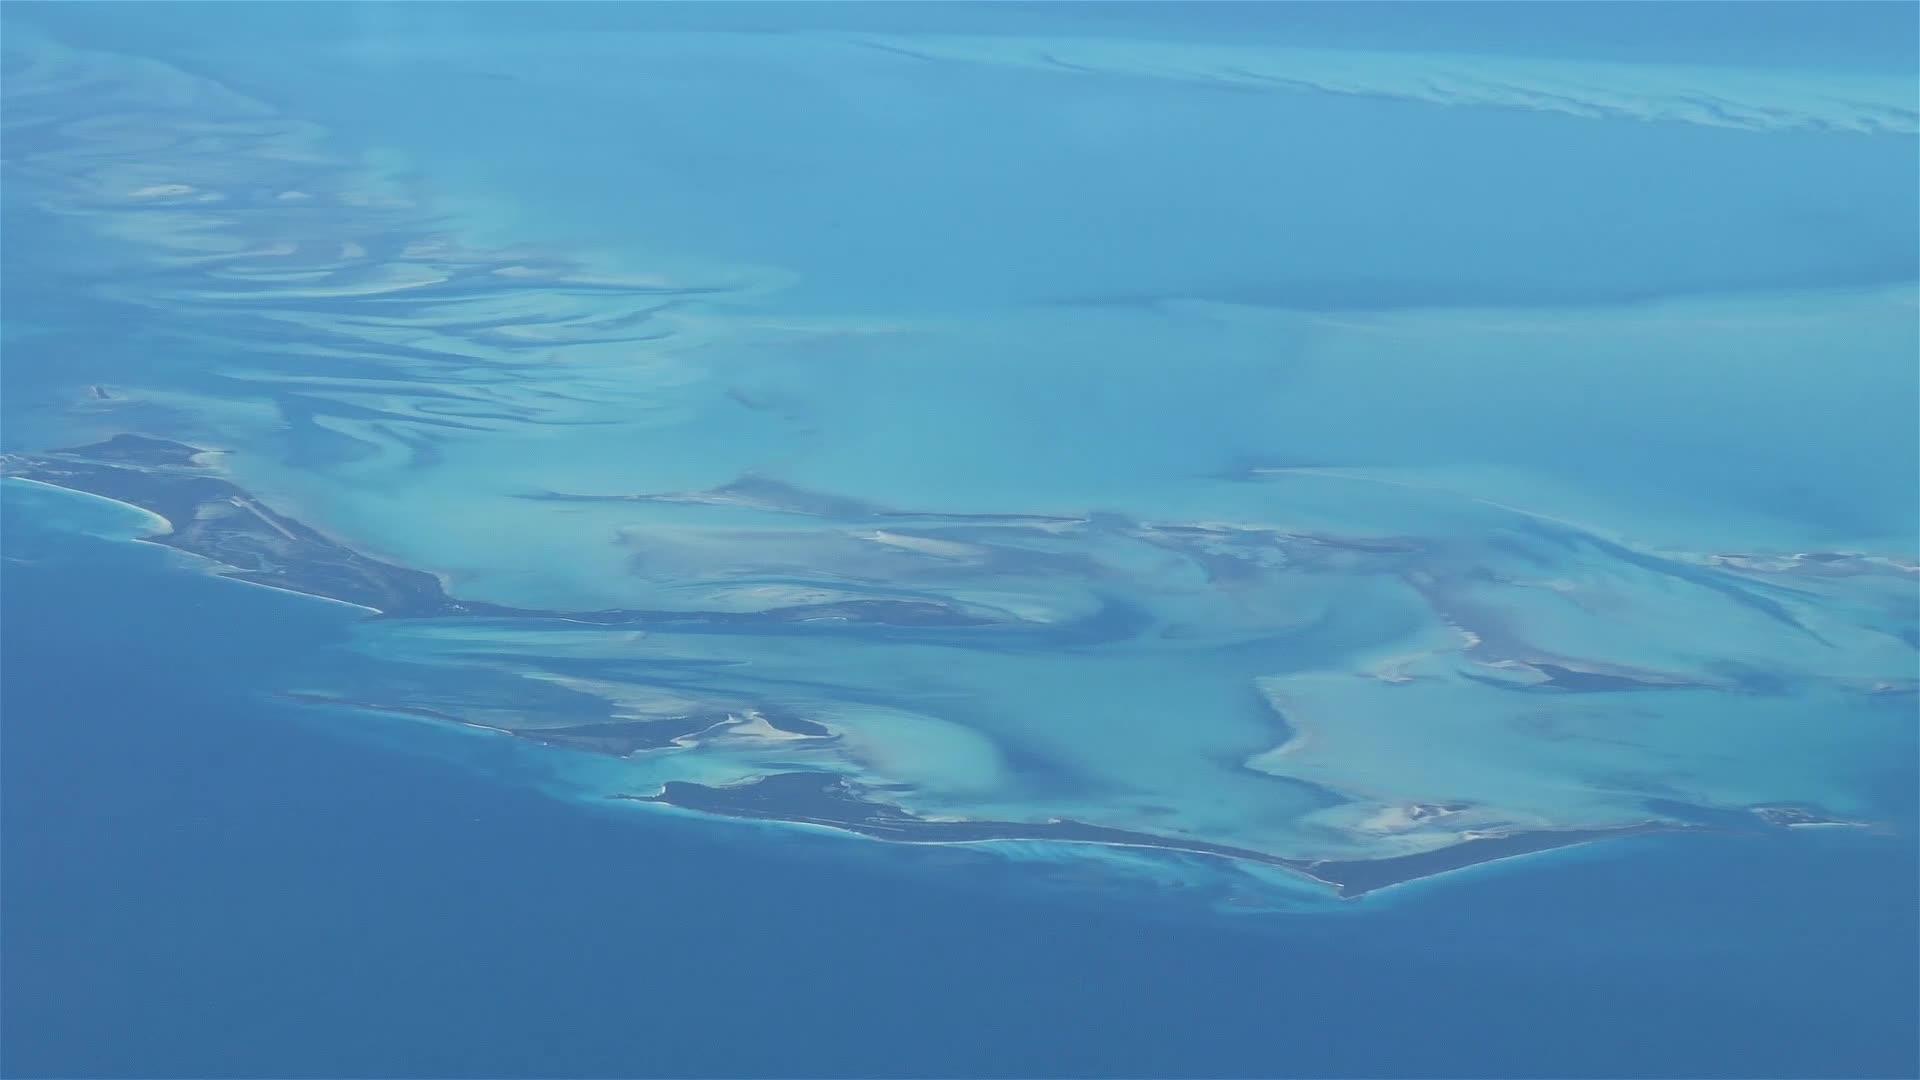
218, 886
1327, 441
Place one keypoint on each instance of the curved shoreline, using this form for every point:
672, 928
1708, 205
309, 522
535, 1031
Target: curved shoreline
207, 516
829, 801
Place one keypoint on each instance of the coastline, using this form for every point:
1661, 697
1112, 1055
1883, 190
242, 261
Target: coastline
304, 561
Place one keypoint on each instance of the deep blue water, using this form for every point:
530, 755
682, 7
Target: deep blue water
199, 883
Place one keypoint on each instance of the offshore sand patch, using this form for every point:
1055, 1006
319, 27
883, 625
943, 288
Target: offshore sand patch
1708, 96
1704, 95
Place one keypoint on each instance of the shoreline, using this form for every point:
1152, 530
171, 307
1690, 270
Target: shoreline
1348, 879
246, 541
165, 526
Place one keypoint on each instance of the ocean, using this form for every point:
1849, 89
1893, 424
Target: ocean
1330, 434
213, 885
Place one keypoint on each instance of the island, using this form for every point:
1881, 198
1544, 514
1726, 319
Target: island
210, 516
